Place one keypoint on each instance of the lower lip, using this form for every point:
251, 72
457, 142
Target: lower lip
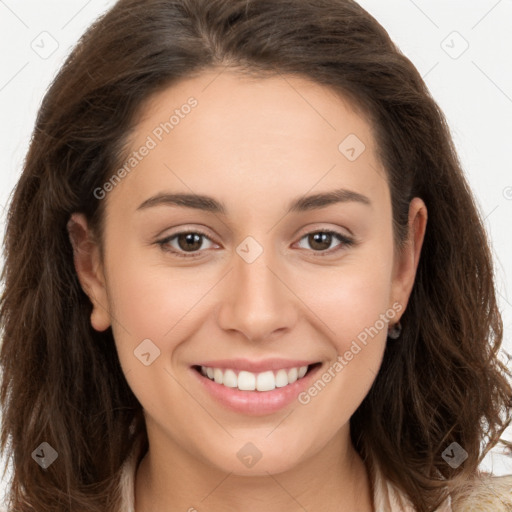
256, 403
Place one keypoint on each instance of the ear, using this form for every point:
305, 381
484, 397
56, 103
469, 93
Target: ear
88, 266
406, 263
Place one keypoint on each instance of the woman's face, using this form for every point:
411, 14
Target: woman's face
289, 263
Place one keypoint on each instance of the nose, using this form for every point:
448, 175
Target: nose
258, 302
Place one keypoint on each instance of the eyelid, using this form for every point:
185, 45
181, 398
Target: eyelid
319, 227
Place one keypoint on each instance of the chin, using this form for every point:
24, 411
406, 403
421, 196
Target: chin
253, 459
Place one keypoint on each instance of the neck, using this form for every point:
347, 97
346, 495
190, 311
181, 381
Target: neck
335, 479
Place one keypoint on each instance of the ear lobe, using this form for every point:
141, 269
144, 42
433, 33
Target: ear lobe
89, 269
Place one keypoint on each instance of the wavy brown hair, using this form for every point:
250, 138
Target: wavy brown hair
62, 383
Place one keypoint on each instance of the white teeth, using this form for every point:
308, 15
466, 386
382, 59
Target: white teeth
281, 379
230, 379
248, 381
265, 381
292, 375
302, 371
217, 375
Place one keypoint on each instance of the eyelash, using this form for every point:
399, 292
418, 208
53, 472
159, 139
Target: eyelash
345, 242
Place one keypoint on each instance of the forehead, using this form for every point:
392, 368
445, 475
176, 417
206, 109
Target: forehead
239, 106
222, 129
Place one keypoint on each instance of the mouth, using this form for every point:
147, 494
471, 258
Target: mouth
264, 381
254, 387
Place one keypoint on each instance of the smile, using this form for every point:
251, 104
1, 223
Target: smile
254, 388
249, 381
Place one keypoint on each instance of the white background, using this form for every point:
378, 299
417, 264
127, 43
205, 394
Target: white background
474, 89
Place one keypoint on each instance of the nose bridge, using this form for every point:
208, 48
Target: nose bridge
257, 302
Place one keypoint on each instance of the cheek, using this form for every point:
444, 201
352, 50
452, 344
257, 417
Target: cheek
156, 298
357, 315
153, 308
148, 300
352, 303
349, 298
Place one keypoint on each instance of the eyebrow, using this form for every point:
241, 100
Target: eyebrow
209, 204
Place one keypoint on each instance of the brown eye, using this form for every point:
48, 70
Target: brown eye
321, 241
185, 242
189, 241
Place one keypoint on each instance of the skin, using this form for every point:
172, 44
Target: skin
255, 145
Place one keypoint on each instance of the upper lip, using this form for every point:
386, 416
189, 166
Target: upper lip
256, 366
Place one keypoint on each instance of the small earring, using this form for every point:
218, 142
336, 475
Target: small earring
395, 331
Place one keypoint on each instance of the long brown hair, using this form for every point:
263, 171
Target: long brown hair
441, 382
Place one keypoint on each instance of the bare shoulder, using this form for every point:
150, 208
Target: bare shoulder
487, 493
